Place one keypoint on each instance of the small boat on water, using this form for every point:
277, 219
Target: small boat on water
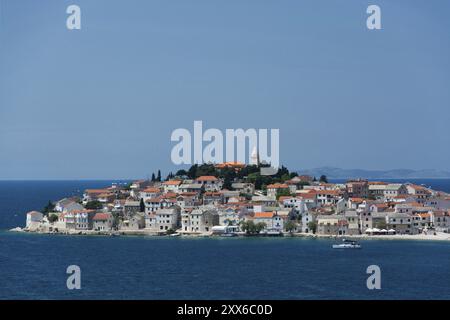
228, 234
347, 244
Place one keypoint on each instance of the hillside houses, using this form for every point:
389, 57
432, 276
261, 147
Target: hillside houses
272, 220
193, 205
199, 220
209, 183
68, 204
274, 189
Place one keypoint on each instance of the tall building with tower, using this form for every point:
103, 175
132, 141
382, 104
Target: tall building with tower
254, 158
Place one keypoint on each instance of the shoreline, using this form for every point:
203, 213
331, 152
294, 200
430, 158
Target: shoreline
440, 236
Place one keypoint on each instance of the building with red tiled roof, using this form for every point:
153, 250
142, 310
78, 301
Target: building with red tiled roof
206, 178
271, 220
209, 183
262, 215
102, 221
237, 166
172, 185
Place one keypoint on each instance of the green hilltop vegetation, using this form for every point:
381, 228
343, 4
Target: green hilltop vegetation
249, 173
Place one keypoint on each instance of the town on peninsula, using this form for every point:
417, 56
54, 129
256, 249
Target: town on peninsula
234, 199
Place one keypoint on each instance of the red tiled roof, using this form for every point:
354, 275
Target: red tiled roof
277, 186
99, 191
169, 195
188, 194
282, 198
263, 214
102, 216
152, 190
172, 183
309, 195
207, 178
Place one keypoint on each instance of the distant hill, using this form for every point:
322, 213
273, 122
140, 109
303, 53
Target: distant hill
338, 173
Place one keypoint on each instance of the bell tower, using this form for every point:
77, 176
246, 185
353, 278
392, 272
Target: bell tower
254, 158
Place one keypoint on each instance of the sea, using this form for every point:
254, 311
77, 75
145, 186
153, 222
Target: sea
34, 266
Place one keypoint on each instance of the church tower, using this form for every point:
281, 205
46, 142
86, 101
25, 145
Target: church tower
254, 158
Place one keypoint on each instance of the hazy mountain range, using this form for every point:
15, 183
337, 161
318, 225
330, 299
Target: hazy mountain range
338, 173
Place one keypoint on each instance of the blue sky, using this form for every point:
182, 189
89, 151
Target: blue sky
101, 102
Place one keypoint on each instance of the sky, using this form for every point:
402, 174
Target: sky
102, 102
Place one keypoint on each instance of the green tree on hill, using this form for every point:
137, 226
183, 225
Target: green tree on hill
312, 225
290, 226
206, 169
283, 193
247, 170
50, 207
158, 177
52, 218
181, 173
250, 227
94, 205
192, 172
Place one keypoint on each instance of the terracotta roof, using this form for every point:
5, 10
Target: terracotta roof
282, 198
152, 190
169, 195
277, 186
415, 204
416, 187
96, 191
102, 216
172, 183
329, 192
230, 164
307, 195
206, 178
263, 214
105, 195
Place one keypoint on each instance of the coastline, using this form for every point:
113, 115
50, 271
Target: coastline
439, 236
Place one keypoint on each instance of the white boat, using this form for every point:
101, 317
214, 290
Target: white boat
347, 244
228, 234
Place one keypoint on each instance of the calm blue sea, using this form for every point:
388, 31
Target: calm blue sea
33, 266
